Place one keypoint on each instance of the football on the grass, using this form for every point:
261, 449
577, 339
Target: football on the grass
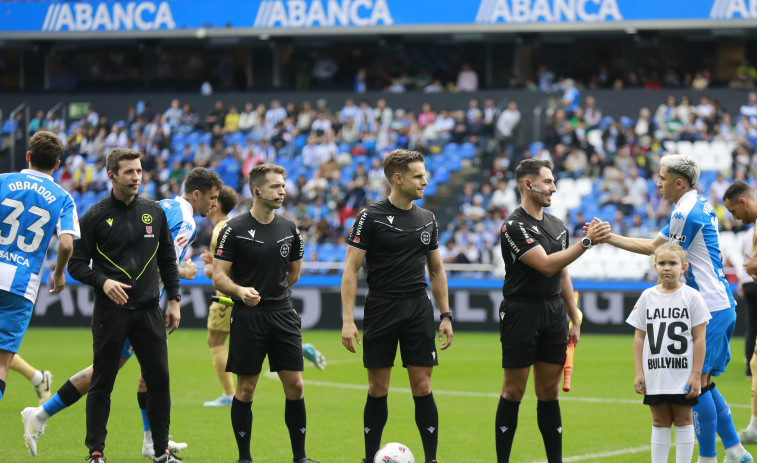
394, 452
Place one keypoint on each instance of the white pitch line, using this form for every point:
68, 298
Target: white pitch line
489, 395
593, 456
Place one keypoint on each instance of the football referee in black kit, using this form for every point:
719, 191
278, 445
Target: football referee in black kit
257, 260
398, 240
128, 241
538, 293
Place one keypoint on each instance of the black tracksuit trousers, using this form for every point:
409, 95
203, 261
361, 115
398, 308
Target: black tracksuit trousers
146, 330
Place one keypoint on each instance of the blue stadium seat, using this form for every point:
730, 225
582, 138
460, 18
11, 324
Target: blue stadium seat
535, 148
454, 162
362, 159
450, 148
441, 175
468, 150
238, 138
626, 121
607, 120
434, 162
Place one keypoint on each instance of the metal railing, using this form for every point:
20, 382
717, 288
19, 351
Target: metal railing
11, 118
57, 106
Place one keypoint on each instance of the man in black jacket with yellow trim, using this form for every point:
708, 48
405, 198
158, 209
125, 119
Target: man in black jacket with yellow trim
128, 241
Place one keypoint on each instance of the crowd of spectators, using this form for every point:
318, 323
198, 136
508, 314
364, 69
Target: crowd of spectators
618, 155
334, 158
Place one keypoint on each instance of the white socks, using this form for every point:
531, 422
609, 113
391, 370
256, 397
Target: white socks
735, 451
148, 437
228, 396
684, 443
660, 444
37, 378
752, 428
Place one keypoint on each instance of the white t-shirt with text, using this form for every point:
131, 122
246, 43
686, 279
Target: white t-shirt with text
668, 320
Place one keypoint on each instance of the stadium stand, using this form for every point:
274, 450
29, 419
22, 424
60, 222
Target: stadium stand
334, 160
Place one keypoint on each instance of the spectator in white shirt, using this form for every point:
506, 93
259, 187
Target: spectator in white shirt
275, 113
248, 118
350, 111
321, 125
443, 125
467, 79
174, 114
748, 110
592, 114
383, 113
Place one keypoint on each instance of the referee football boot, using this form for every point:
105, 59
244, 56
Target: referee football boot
174, 447
33, 428
311, 353
745, 458
44, 389
95, 457
305, 460
747, 437
167, 457
219, 402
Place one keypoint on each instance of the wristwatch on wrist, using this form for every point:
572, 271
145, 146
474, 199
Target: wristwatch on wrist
447, 315
176, 298
586, 242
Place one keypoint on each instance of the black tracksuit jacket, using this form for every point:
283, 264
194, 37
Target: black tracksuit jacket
127, 244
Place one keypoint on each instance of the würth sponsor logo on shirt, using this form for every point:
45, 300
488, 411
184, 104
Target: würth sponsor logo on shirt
226, 232
512, 244
148, 232
359, 228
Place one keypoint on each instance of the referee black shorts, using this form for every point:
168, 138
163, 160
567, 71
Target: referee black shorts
409, 321
256, 333
532, 331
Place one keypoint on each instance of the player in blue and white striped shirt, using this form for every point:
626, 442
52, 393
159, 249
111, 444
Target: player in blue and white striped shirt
694, 225
33, 208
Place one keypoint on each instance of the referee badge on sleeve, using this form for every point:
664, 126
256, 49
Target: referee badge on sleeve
425, 237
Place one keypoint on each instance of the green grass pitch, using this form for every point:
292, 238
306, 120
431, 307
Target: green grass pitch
603, 418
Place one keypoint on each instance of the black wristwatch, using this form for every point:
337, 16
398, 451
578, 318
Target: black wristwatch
176, 298
586, 242
447, 315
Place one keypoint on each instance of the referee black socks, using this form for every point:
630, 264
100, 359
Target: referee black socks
2, 389
295, 419
427, 420
374, 419
241, 422
550, 425
505, 423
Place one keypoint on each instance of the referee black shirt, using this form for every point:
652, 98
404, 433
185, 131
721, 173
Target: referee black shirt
397, 243
521, 233
259, 255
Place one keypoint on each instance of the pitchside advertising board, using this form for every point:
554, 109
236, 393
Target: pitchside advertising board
227, 15
318, 301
